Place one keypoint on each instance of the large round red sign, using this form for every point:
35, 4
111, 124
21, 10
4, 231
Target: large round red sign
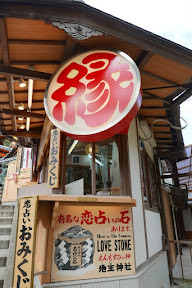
94, 95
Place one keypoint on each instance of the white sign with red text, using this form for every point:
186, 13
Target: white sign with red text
94, 95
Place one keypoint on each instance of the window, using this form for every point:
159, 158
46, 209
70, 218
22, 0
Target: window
149, 181
144, 179
106, 179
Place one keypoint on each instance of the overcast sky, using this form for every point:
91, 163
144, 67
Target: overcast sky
168, 18
171, 19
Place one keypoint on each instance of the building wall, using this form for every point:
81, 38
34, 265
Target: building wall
153, 221
187, 217
154, 232
147, 145
154, 272
138, 220
153, 275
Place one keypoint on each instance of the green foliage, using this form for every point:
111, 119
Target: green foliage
6, 142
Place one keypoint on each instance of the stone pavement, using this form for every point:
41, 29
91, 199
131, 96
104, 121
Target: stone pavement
182, 283
187, 270
187, 265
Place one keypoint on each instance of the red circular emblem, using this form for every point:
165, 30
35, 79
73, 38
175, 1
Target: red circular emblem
94, 95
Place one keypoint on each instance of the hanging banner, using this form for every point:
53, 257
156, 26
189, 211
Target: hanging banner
54, 159
94, 95
25, 243
92, 241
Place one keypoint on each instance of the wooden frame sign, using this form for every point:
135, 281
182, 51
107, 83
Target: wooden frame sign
54, 159
92, 241
25, 245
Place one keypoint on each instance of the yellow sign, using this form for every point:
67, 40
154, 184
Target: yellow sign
25, 245
92, 242
54, 157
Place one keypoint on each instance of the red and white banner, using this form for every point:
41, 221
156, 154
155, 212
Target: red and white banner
94, 95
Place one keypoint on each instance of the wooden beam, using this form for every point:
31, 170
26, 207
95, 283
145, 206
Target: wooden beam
159, 78
24, 102
176, 175
3, 118
153, 117
175, 112
34, 91
36, 42
39, 109
166, 145
81, 13
154, 97
175, 94
161, 125
26, 134
23, 91
161, 87
6, 62
32, 129
143, 58
155, 108
22, 113
165, 139
5, 125
44, 142
25, 73
172, 152
35, 62
69, 48
183, 97
162, 132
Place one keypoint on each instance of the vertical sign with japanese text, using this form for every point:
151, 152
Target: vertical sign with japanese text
54, 153
25, 245
92, 242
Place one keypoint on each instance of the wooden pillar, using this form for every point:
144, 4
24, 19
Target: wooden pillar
62, 171
93, 176
163, 218
175, 172
124, 165
47, 277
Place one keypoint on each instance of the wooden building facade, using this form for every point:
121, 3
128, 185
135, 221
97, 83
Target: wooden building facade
36, 38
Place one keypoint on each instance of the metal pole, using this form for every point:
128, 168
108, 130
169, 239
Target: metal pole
175, 226
181, 261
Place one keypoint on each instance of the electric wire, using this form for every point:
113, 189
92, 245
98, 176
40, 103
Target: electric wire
163, 120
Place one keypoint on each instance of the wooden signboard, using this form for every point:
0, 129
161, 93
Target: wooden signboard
92, 241
12, 166
54, 157
25, 245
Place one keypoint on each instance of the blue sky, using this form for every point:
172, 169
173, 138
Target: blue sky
170, 19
